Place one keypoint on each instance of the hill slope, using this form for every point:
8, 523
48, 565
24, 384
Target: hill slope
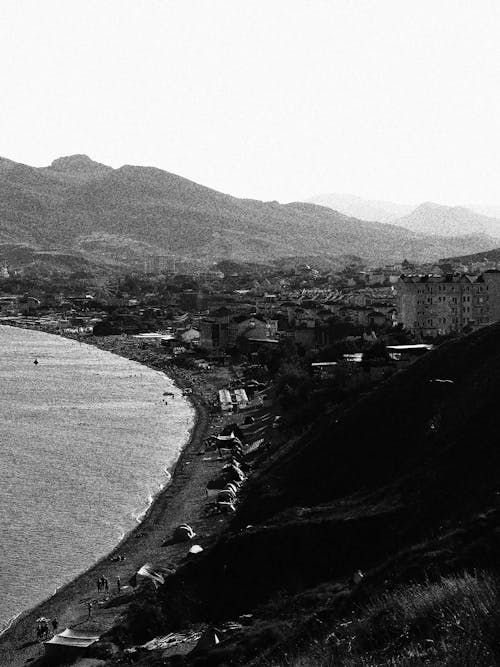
487, 256
403, 485
120, 215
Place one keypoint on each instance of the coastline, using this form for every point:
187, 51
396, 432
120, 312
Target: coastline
143, 542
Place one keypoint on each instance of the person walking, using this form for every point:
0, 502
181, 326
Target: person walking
89, 607
118, 584
106, 585
99, 585
55, 625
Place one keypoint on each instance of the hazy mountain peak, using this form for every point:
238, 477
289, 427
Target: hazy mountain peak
432, 218
430, 205
78, 164
363, 209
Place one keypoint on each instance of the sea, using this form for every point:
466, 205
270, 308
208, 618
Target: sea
86, 441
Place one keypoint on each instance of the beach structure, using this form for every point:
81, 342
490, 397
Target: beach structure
226, 402
69, 645
236, 398
209, 639
195, 549
154, 574
184, 533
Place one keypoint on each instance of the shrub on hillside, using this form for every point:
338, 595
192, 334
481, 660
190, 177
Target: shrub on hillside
144, 620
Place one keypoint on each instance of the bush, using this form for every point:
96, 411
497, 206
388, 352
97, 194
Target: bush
144, 620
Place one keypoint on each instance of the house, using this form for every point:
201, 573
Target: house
255, 326
405, 355
324, 370
214, 329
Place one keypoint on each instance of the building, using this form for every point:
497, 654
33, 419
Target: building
436, 305
223, 329
158, 263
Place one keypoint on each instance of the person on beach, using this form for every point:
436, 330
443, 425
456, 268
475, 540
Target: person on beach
99, 585
55, 625
118, 584
89, 607
106, 585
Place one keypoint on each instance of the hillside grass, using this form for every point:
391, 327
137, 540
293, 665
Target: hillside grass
454, 622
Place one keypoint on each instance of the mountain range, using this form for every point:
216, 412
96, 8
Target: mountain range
80, 211
426, 218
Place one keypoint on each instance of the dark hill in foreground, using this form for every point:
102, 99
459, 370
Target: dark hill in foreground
119, 216
487, 256
404, 485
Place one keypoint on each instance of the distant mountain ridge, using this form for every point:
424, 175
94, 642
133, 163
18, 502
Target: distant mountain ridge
117, 217
426, 218
448, 221
365, 209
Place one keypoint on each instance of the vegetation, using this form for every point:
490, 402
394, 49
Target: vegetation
449, 623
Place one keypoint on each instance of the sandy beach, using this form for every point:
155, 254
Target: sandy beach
182, 500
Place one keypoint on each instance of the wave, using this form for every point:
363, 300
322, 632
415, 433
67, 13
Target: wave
139, 516
5, 625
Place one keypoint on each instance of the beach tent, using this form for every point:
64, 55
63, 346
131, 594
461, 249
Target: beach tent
154, 574
225, 399
233, 473
226, 496
184, 533
69, 645
195, 549
208, 640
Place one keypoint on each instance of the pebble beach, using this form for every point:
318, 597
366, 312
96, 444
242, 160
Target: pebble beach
182, 500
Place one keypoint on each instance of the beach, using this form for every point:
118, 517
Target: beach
182, 500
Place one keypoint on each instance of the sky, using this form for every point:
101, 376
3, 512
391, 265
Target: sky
268, 99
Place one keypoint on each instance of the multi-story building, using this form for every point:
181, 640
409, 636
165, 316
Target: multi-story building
157, 263
434, 305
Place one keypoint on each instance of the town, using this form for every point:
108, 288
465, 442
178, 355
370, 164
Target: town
310, 325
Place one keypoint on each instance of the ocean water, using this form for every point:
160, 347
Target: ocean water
85, 442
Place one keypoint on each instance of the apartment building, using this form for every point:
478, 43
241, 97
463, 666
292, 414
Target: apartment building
434, 305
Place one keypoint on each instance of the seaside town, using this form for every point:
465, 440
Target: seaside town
249, 333
261, 352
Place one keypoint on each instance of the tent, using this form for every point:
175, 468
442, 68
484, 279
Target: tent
209, 639
233, 473
154, 574
226, 496
68, 645
195, 549
184, 533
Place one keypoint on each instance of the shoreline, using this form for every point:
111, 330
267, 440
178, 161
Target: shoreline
135, 541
